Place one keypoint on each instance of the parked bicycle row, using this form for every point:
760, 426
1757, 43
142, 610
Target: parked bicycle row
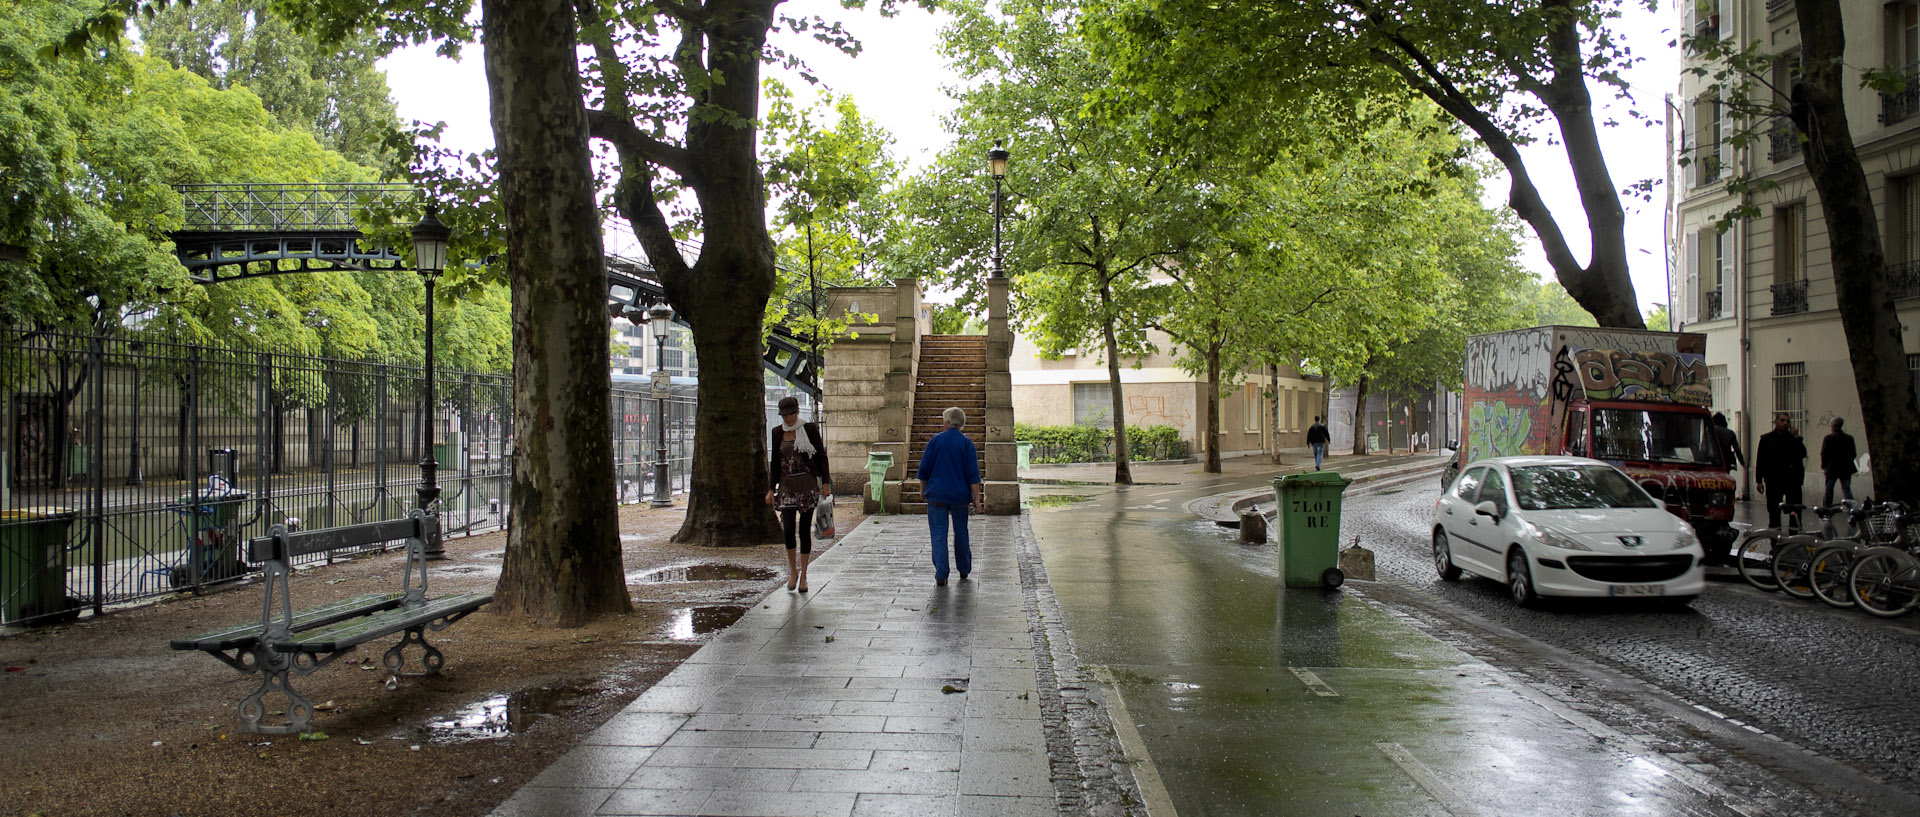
1862, 554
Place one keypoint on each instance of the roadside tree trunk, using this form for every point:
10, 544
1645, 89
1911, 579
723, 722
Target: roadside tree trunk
1875, 346
1212, 434
1360, 417
563, 563
1122, 453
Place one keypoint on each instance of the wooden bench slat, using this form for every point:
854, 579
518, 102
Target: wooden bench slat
360, 630
246, 634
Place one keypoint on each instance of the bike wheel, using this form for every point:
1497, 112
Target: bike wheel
1885, 584
1827, 575
1754, 559
1790, 561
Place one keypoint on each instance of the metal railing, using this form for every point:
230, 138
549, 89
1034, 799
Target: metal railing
1903, 279
1789, 298
280, 207
1783, 144
1710, 305
112, 446
1895, 107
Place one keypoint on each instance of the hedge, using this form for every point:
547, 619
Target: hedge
1090, 444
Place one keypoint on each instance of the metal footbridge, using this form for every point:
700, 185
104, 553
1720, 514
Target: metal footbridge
238, 231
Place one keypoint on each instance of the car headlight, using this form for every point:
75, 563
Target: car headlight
1686, 538
1554, 540
1719, 498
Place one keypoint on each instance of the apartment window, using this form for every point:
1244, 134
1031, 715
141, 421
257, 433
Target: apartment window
1250, 406
1903, 57
1703, 18
1717, 386
1093, 404
1789, 243
673, 358
1707, 258
1790, 391
1707, 130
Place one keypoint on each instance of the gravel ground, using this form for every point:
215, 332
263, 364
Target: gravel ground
100, 717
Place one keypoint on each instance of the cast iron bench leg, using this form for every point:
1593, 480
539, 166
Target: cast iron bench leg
274, 669
430, 658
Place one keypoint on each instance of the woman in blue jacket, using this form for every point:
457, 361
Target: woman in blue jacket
950, 481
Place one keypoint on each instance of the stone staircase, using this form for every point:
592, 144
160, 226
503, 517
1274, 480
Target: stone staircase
953, 372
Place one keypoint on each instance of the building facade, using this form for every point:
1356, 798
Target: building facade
1762, 289
1261, 413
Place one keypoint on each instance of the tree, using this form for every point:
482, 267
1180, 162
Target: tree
1548, 304
336, 92
1814, 100
1658, 320
1100, 205
1500, 69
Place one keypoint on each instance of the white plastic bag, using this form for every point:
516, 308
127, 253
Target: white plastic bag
823, 518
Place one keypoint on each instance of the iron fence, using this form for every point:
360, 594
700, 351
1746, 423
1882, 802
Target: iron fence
132, 468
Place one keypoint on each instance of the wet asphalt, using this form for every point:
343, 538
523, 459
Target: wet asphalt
1409, 696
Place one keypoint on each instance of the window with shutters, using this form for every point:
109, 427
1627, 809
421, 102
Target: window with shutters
1717, 386
1093, 404
1709, 274
1789, 289
1707, 158
1903, 59
1790, 391
1903, 236
1250, 409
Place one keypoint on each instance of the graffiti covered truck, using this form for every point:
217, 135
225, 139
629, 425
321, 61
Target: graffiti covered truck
1633, 398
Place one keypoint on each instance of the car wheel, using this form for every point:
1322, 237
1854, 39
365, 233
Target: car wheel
1443, 557
1520, 579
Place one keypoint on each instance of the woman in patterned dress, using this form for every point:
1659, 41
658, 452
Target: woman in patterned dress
797, 476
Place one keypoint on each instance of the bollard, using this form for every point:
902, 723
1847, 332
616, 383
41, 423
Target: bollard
1357, 562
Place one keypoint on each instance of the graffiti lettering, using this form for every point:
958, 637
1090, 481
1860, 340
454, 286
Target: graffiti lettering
1510, 361
1657, 376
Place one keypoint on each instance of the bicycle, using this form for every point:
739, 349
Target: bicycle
1830, 570
1885, 580
1754, 555
1794, 553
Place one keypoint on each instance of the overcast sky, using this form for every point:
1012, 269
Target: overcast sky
897, 82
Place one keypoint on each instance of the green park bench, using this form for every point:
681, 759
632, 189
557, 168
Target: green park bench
285, 643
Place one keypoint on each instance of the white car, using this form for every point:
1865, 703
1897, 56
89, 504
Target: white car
1563, 526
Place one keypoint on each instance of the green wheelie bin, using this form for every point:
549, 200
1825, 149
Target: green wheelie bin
33, 563
1308, 507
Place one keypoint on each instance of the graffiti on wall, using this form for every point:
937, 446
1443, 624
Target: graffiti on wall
1495, 429
1149, 409
1510, 362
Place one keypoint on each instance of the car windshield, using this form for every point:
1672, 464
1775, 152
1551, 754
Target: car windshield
1563, 487
1651, 435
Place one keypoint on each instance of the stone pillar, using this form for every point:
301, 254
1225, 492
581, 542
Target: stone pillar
856, 385
1002, 479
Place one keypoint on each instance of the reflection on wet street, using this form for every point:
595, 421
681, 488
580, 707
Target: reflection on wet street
498, 716
1255, 699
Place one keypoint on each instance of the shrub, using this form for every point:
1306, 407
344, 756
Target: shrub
1090, 444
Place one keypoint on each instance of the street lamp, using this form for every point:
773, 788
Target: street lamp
429, 259
661, 317
997, 165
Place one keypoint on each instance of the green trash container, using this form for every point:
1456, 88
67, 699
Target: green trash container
877, 464
33, 563
1309, 528
213, 546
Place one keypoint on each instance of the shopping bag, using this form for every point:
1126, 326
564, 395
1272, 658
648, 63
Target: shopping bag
823, 518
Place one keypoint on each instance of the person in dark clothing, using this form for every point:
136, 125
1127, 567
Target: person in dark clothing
1836, 461
1317, 438
1780, 466
1729, 442
949, 477
797, 476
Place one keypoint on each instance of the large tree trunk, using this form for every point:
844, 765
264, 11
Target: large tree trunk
1889, 413
1122, 454
563, 563
1360, 416
1212, 433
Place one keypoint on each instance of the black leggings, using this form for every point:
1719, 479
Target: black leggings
804, 518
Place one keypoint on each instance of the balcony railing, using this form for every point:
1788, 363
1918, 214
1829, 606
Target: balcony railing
1776, 8
1710, 309
1903, 279
1789, 298
1898, 106
1782, 142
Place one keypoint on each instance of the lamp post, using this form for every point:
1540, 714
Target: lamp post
997, 165
429, 259
661, 317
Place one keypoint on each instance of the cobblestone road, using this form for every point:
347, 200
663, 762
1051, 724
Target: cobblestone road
1836, 683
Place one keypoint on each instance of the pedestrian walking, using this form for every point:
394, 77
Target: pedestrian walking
797, 477
1729, 442
1780, 467
949, 477
1317, 438
1836, 461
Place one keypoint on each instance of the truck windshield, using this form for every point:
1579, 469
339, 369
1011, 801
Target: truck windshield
1653, 435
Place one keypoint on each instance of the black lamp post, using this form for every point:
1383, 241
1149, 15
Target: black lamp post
661, 317
997, 165
429, 258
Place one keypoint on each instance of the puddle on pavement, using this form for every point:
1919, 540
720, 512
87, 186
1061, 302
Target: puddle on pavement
690, 623
503, 715
1053, 500
703, 573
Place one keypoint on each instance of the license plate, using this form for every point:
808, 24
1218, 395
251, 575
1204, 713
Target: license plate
1636, 590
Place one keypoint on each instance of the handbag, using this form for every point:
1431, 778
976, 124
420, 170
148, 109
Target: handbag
823, 519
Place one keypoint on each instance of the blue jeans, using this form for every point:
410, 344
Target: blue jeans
1319, 454
938, 513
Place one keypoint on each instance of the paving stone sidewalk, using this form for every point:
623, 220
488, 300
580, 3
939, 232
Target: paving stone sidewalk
877, 693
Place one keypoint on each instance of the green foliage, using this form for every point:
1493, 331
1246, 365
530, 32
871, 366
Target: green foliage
1549, 305
1091, 444
1658, 320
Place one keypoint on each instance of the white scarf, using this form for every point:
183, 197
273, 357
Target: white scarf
800, 441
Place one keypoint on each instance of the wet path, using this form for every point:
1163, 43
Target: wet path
1251, 699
